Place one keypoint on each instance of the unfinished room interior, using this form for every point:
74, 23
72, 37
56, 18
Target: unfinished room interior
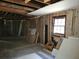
39, 29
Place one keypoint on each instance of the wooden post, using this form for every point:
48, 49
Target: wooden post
11, 21
20, 28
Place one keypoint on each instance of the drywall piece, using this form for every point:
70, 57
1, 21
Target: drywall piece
59, 6
69, 49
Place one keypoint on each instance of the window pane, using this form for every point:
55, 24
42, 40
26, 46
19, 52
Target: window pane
59, 25
59, 30
60, 21
62, 30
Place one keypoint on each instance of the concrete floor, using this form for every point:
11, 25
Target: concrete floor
29, 51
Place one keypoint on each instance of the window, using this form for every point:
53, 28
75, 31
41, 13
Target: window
59, 25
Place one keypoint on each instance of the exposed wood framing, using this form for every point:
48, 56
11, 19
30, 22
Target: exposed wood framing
18, 3
23, 6
11, 22
14, 16
34, 5
54, 1
13, 10
17, 7
26, 1
45, 1
39, 3
20, 28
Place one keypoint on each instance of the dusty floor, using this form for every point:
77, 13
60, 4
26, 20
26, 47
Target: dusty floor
28, 51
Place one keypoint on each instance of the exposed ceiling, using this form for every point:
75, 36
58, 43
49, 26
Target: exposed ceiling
59, 6
24, 6
14, 16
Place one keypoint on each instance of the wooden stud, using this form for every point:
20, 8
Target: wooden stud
26, 1
13, 10
23, 4
20, 28
45, 1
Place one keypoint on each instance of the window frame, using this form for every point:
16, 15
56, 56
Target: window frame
55, 17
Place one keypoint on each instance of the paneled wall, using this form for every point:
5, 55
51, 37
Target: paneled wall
76, 23
41, 22
72, 23
69, 19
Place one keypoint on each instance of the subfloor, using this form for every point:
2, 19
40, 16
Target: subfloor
24, 51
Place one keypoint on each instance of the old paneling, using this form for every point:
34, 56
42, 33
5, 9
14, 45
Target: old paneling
71, 28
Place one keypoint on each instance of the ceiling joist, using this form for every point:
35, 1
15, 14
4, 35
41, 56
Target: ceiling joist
12, 10
39, 3
17, 3
14, 16
17, 7
26, 1
24, 6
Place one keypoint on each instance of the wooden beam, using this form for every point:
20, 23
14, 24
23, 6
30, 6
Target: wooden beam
39, 3
11, 26
23, 4
13, 10
54, 1
26, 1
48, 1
14, 16
34, 5
44, 1
16, 6
20, 28
18, 0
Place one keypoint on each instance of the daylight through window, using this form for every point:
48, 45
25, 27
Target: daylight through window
59, 25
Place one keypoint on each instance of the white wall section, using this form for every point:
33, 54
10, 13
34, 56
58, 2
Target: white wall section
59, 6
